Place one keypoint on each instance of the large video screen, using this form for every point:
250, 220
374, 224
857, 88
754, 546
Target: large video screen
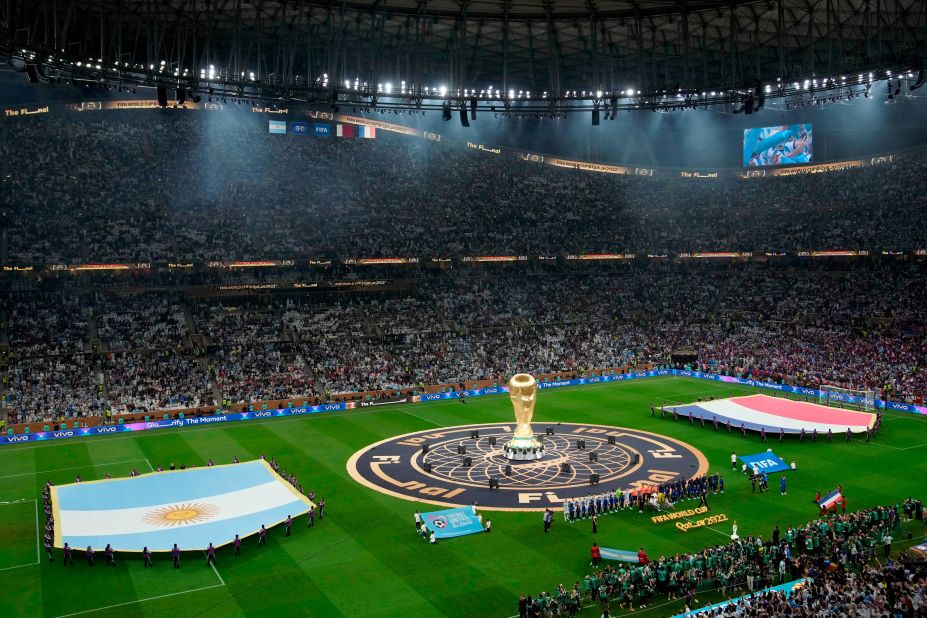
783, 145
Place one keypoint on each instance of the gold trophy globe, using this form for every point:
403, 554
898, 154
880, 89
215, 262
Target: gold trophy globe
523, 391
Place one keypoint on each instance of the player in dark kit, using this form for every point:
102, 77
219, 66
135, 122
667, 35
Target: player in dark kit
67, 555
237, 543
289, 524
89, 556
48, 550
146, 556
175, 554
262, 536
321, 507
110, 555
210, 555
312, 517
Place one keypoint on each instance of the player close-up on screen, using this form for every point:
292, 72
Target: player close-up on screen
782, 145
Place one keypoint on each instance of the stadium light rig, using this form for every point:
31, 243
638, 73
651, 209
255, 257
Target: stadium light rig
356, 91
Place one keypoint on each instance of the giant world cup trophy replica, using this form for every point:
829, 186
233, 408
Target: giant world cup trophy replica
523, 391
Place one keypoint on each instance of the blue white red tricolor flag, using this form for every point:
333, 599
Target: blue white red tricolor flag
830, 499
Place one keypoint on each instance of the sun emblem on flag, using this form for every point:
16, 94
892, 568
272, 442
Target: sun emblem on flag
181, 514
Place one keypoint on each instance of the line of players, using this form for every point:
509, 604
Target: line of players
653, 497
210, 551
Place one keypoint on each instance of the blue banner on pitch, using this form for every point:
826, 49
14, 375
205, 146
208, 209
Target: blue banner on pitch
452, 522
787, 589
765, 462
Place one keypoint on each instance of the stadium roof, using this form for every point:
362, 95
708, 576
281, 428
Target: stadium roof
535, 45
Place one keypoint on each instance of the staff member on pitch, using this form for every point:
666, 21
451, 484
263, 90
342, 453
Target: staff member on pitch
548, 519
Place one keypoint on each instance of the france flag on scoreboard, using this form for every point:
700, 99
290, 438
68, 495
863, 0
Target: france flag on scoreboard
452, 522
192, 508
278, 127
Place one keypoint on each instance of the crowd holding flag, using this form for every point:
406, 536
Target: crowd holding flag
210, 551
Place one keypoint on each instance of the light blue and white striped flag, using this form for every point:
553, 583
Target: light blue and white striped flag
191, 508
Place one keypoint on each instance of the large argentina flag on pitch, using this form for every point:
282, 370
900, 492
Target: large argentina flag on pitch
191, 508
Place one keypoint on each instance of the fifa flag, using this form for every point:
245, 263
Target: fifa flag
765, 462
452, 522
278, 127
192, 508
832, 499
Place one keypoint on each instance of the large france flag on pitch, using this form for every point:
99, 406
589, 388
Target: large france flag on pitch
191, 508
756, 412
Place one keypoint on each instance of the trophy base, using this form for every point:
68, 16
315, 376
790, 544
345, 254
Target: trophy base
523, 449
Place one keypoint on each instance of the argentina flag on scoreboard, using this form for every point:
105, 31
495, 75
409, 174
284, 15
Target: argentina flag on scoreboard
192, 508
278, 127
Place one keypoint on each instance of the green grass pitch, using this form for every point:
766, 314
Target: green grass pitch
364, 559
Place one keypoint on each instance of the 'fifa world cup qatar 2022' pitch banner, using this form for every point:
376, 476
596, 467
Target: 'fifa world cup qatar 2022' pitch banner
460, 465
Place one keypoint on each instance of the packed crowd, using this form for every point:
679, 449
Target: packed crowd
259, 372
149, 320
74, 354
833, 552
159, 380
250, 195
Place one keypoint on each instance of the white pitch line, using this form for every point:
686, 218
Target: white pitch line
160, 596
38, 553
423, 419
897, 448
150, 467
214, 570
19, 566
114, 463
37, 533
708, 528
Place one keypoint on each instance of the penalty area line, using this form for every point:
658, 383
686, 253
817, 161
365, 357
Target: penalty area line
214, 570
422, 418
38, 555
708, 528
160, 596
91, 465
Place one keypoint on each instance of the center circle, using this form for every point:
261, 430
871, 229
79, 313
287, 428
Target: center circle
456, 467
